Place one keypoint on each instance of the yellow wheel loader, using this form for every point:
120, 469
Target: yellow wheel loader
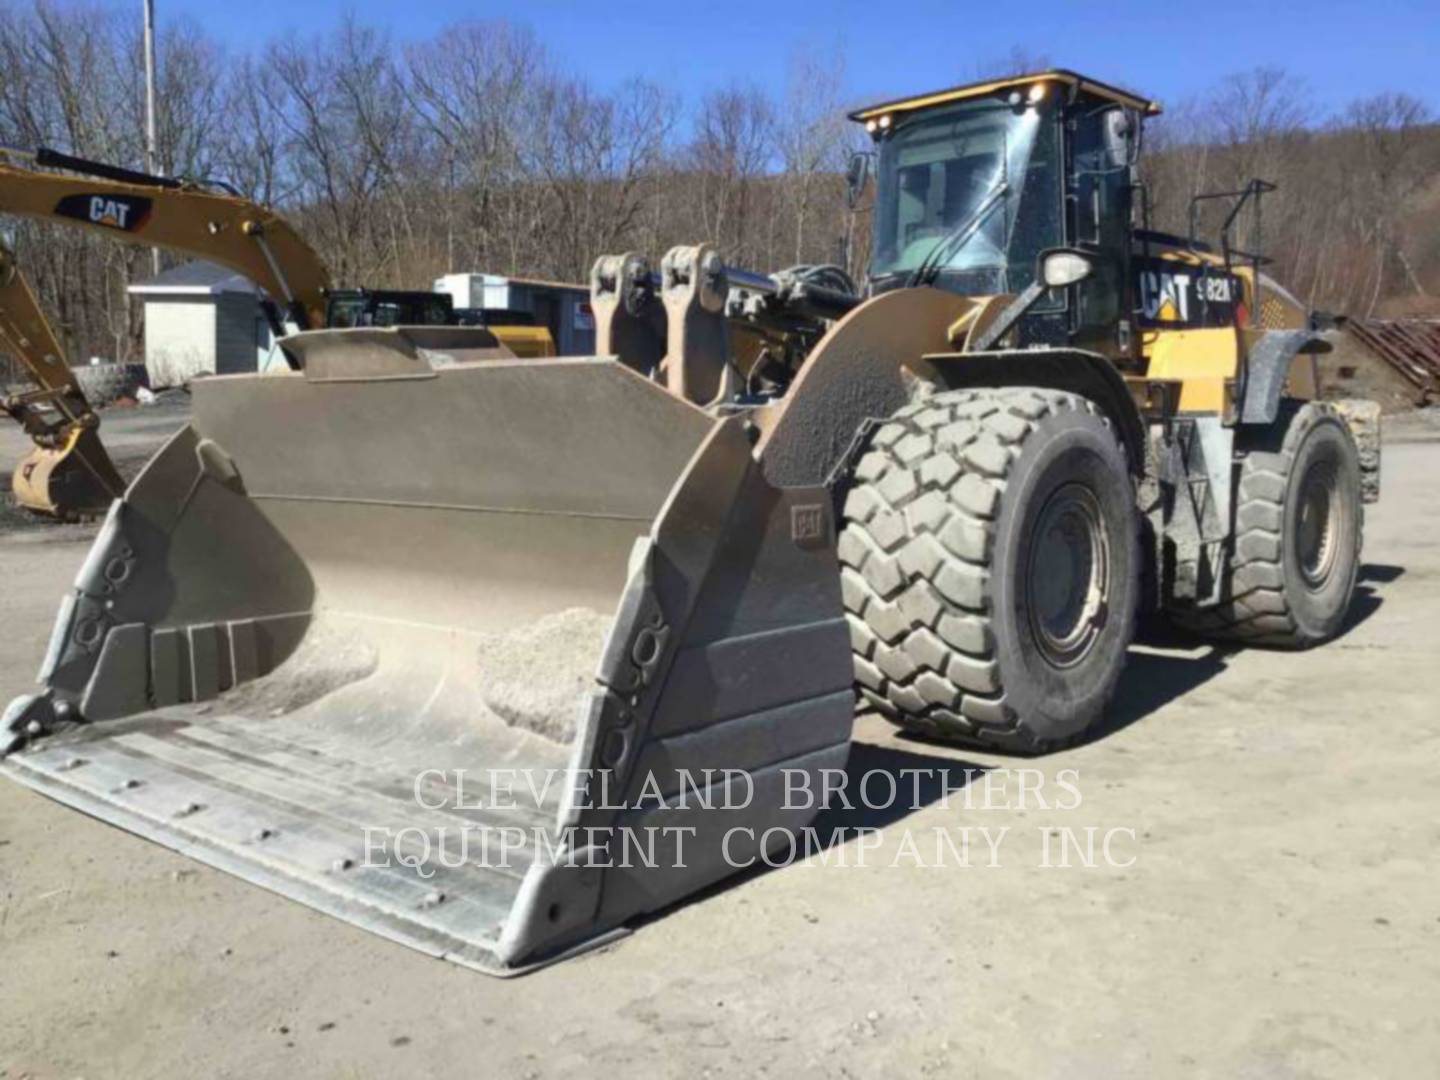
493, 656
69, 474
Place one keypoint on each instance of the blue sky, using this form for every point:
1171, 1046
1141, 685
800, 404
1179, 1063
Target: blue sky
1167, 49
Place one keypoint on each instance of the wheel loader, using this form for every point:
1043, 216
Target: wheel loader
359, 615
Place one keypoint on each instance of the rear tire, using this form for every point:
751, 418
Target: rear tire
990, 567
1299, 526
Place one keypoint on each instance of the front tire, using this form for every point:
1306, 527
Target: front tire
990, 567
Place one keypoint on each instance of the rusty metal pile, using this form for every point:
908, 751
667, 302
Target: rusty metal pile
1410, 346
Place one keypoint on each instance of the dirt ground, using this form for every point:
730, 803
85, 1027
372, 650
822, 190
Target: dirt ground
1270, 907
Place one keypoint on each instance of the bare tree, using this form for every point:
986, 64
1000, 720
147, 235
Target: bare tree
732, 149
469, 89
813, 138
338, 108
65, 70
190, 98
250, 151
1395, 158
476, 150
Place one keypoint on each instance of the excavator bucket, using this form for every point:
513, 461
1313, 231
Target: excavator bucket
486, 656
73, 481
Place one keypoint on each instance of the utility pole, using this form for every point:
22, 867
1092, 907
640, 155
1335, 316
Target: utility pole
151, 143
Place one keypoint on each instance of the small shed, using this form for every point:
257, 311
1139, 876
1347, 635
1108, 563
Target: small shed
202, 319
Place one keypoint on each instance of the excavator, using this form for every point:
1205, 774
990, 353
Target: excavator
69, 474
494, 656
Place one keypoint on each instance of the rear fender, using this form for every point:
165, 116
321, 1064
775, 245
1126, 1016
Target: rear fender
1269, 364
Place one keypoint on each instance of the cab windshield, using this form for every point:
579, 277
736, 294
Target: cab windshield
974, 187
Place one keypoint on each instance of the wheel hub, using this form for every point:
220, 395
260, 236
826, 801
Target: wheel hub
1068, 575
1317, 513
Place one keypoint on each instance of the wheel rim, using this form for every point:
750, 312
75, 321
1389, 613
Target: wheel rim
1317, 522
1068, 575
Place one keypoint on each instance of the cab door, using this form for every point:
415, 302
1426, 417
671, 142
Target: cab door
1099, 200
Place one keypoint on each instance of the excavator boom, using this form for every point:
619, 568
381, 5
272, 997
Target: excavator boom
176, 215
70, 474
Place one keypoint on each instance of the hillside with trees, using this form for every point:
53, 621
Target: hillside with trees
476, 149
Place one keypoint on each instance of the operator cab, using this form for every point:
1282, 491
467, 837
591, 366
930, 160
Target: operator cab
975, 184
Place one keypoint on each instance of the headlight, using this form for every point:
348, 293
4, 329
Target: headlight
1061, 268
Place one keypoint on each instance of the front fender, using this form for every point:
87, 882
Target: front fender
1075, 370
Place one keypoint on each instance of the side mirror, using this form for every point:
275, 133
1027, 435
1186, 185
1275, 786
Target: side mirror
1056, 268
1122, 145
856, 173
1064, 266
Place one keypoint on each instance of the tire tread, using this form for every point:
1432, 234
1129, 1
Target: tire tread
938, 468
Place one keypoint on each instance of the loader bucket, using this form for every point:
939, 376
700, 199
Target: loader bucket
486, 657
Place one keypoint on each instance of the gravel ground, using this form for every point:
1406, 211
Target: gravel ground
1417, 425
1269, 908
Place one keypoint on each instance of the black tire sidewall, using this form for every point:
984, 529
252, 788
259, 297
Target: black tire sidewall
1074, 447
1318, 613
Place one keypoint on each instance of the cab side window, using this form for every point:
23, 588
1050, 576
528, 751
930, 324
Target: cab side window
1100, 209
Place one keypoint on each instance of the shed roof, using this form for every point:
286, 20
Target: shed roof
196, 278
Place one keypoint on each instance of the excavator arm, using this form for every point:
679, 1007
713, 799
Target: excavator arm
68, 474
181, 216
25, 332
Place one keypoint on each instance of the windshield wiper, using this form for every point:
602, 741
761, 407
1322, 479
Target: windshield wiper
930, 267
